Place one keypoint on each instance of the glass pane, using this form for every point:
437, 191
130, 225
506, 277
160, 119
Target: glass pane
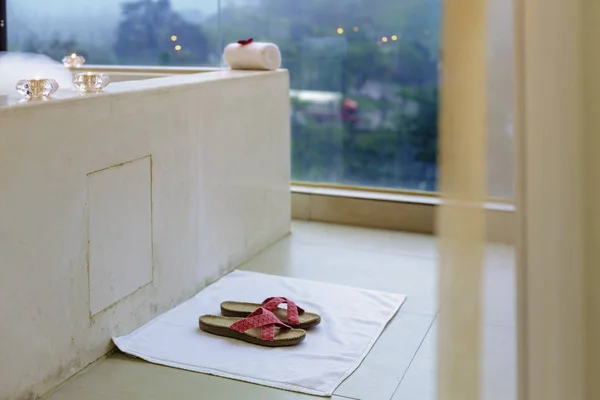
125, 32
363, 72
364, 85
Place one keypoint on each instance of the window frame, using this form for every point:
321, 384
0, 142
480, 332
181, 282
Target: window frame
3, 26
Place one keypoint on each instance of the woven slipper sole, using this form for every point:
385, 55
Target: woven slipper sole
239, 309
218, 325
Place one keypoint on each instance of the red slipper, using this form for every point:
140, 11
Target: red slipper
294, 316
258, 328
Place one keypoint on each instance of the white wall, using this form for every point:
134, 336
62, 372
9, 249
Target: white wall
115, 208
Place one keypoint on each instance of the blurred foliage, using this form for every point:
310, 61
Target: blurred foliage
151, 32
393, 141
54, 48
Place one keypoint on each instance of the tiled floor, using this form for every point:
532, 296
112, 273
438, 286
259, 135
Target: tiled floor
401, 365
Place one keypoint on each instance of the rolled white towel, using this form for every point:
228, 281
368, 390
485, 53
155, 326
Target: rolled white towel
254, 55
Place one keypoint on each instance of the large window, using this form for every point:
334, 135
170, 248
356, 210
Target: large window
364, 73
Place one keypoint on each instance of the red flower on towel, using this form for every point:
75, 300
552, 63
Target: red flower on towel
245, 42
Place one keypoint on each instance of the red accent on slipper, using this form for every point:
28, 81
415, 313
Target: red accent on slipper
261, 318
293, 310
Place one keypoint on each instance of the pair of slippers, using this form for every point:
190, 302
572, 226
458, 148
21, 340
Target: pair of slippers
264, 324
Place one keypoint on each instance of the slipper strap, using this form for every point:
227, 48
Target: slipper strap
293, 310
261, 318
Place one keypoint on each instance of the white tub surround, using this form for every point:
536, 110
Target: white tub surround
115, 207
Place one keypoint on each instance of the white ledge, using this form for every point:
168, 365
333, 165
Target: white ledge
11, 101
146, 69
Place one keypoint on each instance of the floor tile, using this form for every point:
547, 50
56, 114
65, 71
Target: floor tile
419, 382
413, 276
120, 377
358, 238
500, 295
400, 364
381, 371
499, 365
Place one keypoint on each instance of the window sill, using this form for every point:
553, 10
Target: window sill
366, 194
396, 211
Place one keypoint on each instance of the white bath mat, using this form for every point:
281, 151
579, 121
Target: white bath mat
352, 320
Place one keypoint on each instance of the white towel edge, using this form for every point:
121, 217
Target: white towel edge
274, 384
370, 346
291, 388
214, 372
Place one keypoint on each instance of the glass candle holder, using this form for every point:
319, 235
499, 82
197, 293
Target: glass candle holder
36, 88
90, 81
73, 61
